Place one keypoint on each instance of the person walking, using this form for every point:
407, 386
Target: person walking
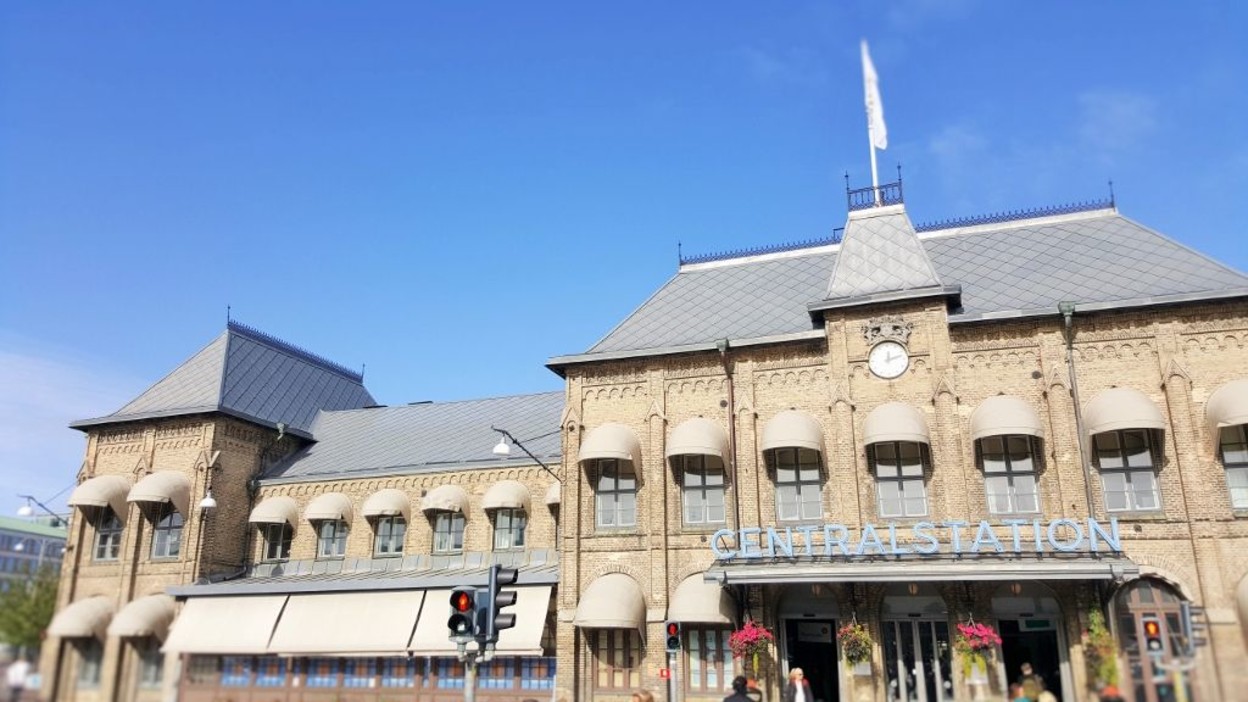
738, 691
642, 696
798, 688
15, 676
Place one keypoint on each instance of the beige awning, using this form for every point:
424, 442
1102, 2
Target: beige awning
699, 602
224, 625
1121, 408
329, 507
164, 486
613, 601
445, 498
895, 421
87, 618
1227, 407
102, 491
506, 494
390, 502
1005, 414
146, 616
792, 429
554, 494
353, 623
276, 510
698, 437
524, 639
610, 441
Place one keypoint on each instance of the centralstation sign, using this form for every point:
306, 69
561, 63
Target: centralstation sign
1008, 536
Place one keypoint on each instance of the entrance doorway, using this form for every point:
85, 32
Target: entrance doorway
811, 646
917, 653
1029, 621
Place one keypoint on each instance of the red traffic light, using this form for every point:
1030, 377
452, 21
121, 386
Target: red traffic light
461, 600
1152, 628
673, 629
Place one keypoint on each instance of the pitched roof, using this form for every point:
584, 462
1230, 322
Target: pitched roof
1098, 259
425, 437
32, 527
251, 375
880, 253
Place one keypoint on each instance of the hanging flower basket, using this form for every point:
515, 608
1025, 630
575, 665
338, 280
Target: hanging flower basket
855, 643
975, 644
749, 641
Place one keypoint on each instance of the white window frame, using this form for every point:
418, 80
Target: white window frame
702, 489
389, 536
1115, 461
109, 528
277, 539
1013, 471
800, 471
1233, 450
895, 472
510, 525
167, 528
615, 489
448, 532
331, 538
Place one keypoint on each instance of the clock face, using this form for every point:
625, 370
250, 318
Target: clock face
888, 359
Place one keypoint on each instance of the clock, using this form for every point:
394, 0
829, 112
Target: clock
888, 359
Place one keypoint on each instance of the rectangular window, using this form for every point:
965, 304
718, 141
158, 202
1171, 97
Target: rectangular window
90, 654
509, 525
1235, 461
277, 538
450, 674
167, 532
151, 662
203, 671
537, 673
236, 671
331, 539
390, 534
108, 530
615, 498
271, 671
398, 672
498, 674
359, 672
448, 532
1127, 470
1010, 474
702, 489
617, 658
321, 672
899, 470
799, 484
708, 661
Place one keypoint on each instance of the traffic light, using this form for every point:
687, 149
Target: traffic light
1194, 627
491, 619
462, 623
672, 630
1153, 644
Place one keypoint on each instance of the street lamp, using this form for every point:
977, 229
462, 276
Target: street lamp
208, 503
502, 449
28, 510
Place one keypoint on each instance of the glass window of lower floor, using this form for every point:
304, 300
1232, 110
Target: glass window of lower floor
708, 660
328, 674
617, 658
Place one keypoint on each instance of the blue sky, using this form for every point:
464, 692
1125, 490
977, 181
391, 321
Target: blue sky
452, 193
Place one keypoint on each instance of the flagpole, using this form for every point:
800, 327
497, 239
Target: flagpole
875, 175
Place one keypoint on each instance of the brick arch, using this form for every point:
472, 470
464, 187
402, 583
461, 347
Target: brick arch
682, 573
1164, 569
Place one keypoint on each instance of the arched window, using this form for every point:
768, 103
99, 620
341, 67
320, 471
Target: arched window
167, 531
389, 532
615, 498
1234, 448
108, 528
331, 538
1147, 598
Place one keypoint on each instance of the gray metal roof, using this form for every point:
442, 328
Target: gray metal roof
425, 437
1098, 259
251, 375
880, 253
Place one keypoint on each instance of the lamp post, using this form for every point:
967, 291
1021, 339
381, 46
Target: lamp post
503, 449
27, 510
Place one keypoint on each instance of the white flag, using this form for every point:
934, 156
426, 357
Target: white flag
875, 108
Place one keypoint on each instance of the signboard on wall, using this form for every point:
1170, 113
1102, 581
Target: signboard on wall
814, 632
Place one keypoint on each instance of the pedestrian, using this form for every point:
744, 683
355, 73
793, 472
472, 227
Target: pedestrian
738, 691
642, 696
798, 688
1016, 693
1029, 681
16, 676
1045, 695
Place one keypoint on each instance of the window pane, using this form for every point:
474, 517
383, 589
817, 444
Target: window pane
890, 499
786, 474
1234, 446
998, 488
885, 470
886, 452
992, 446
1237, 480
1135, 446
1144, 486
1108, 454
994, 462
1115, 486
1025, 494
786, 502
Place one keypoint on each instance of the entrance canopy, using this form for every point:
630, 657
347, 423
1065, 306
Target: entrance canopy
926, 570
347, 623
